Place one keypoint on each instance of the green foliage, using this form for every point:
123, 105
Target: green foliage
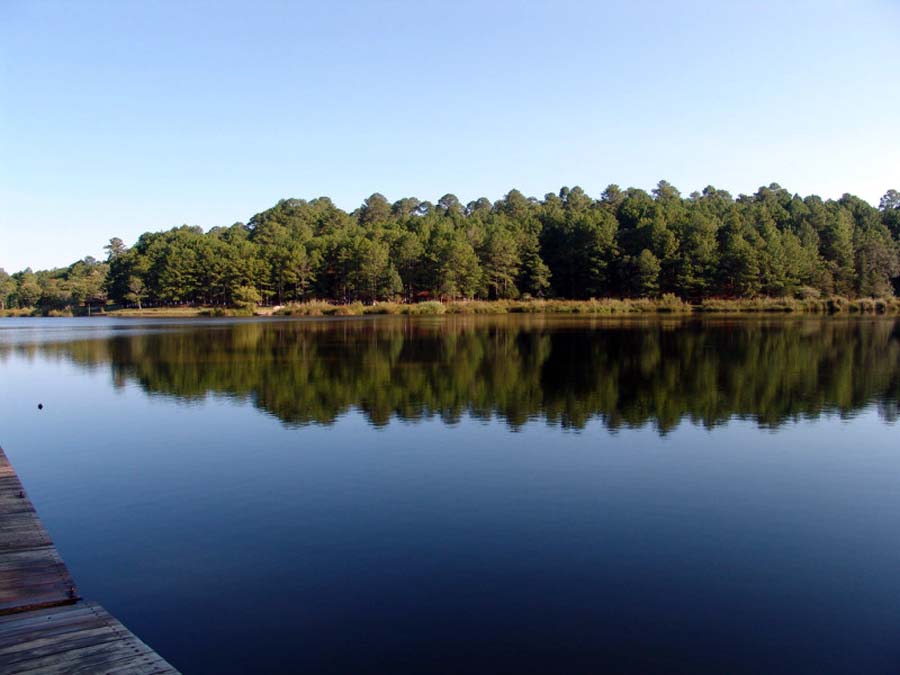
135, 294
28, 291
501, 261
247, 297
627, 244
7, 289
838, 251
79, 287
647, 273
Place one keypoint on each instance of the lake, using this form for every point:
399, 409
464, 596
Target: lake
472, 494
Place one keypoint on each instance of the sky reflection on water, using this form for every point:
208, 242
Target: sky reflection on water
691, 496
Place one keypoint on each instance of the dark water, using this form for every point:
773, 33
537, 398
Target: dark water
490, 495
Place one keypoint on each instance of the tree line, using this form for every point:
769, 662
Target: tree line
630, 374
626, 243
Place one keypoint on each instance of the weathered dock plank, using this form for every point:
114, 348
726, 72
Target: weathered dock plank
44, 626
79, 638
32, 574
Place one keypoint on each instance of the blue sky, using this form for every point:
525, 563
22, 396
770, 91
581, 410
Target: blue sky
122, 117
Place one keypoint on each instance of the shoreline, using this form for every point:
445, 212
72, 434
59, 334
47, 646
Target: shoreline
667, 305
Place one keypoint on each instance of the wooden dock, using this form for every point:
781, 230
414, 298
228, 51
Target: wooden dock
45, 626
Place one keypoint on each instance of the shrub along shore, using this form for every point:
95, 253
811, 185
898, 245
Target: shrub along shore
667, 304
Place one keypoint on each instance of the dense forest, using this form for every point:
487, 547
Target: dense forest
627, 243
513, 368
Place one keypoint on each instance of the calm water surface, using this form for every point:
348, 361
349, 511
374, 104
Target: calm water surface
490, 495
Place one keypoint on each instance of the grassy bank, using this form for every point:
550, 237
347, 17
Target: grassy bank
184, 312
668, 304
146, 313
